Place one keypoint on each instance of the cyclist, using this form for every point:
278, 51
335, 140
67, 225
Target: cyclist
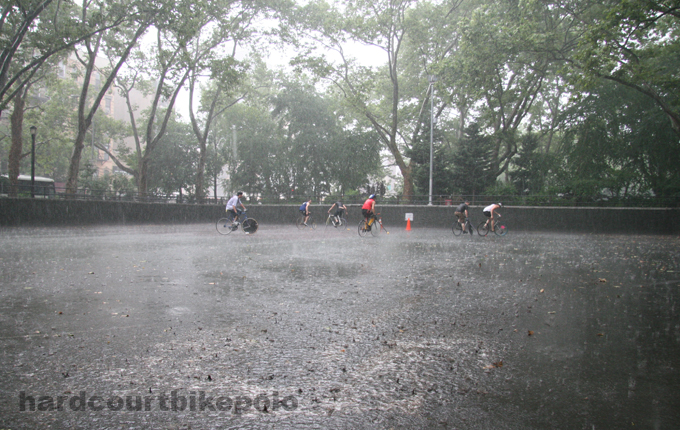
462, 214
304, 210
339, 211
368, 209
490, 211
232, 205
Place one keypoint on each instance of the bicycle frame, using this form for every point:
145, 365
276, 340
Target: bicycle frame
240, 216
375, 218
310, 220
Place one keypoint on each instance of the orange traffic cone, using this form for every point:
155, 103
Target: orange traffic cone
408, 224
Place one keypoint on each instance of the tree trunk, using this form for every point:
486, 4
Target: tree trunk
200, 191
17, 121
409, 191
143, 176
74, 166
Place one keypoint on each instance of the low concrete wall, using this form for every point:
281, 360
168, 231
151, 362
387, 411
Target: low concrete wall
31, 212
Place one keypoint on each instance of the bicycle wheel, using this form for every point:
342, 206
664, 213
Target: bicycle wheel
249, 226
375, 228
330, 222
298, 222
500, 229
457, 228
224, 226
343, 222
483, 228
363, 231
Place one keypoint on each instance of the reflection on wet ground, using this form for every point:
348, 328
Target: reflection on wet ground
179, 327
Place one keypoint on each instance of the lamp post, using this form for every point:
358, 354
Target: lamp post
34, 130
215, 169
432, 79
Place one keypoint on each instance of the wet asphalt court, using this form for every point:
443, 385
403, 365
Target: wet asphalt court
178, 327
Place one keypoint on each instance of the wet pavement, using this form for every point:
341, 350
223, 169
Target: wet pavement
179, 327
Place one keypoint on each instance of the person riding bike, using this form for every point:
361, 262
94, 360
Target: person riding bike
304, 210
462, 214
232, 205
490, 211
368, 209
339, 211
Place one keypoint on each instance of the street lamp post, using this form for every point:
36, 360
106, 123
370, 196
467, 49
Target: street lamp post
432, 79
34, 130
215, 169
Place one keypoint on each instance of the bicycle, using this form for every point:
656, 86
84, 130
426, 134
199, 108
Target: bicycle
373, 224
335, 221
458, 227
299, 222
484, 227
230, 223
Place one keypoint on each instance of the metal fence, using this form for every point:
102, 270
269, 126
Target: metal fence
439, 200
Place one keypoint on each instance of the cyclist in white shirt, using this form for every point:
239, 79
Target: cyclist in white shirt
232, 205
490, 211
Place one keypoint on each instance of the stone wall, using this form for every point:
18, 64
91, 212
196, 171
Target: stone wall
37, 212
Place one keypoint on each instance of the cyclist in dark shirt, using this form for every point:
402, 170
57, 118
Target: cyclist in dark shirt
304, 210
462, 214
339, 210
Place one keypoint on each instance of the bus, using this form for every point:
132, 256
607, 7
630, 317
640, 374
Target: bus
44, 187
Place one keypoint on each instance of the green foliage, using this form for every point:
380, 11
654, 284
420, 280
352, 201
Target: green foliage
501, 189
107, 185
443, 179
301, 148
621, 145
530, 167
634, 43
173, 161
471, 170
566, 98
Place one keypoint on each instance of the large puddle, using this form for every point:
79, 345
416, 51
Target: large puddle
178, 327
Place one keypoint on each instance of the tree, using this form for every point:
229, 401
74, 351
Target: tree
621, 144
30, 96
16, 121
309, 131
168, 64
507, 69
531, 166
53, 112
419, 154
174, 162
377, 95
635, 44
215, 100
119, 44
287, 138
472, 161
37, 30
214, 55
